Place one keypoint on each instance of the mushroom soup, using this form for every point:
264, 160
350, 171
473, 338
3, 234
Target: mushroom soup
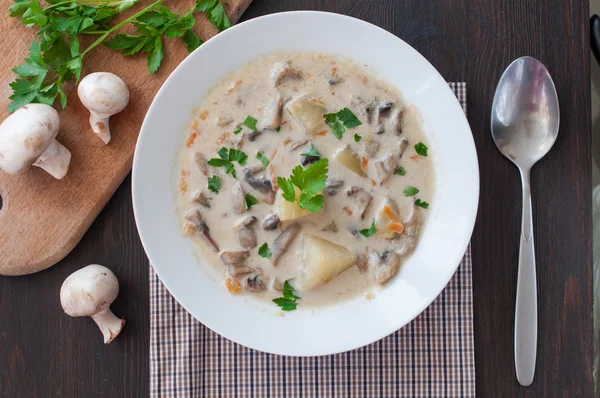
304, 168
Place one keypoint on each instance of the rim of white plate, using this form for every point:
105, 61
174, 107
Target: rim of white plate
331, 329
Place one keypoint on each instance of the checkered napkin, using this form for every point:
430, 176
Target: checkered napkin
430, 357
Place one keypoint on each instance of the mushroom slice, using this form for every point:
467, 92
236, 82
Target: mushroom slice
237, 270
402, 146
260, 183
383, 111
272, 113
283, 241
407, 241
277, 285
362, 199
385, 167
245, 232
253, 135
297, 144
371, 147
239, 143
201, 162
282, 71
362, 262
238, 198
234, 257
332, 186
398, 122
255, 283
200, 198
195, 218
383, 267
270, 222
331, 227
223, 121
334, 81
365, 108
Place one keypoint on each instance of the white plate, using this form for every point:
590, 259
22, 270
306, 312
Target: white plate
331, 329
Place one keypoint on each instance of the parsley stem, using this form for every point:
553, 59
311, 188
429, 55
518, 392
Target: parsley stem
120, 25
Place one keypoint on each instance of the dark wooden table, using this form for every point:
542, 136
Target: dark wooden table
44, 353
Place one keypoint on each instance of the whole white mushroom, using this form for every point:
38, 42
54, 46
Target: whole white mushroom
103, 94
28, 138
90, 292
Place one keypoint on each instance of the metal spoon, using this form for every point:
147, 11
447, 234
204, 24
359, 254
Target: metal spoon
525, 119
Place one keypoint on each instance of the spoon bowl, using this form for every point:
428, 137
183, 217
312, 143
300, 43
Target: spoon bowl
525, 121
525, 114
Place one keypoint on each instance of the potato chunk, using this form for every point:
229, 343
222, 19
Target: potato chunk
291, 211
350, 159
308, 114
323, 261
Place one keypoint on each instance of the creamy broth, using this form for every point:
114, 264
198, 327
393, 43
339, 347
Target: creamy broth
385, 154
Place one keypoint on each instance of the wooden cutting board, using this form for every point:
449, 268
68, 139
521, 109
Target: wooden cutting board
42, 219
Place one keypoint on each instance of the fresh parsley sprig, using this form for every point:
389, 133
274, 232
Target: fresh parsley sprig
56, 58
310, 182
264, 251
289, 301
370, 231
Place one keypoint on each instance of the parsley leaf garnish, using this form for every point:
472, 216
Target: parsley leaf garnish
338, 122
310, 182
237, 130
312, 151
357, 138
250, 122
422, 204
368, 232
278, 129
400, 171
421, 149
410, 191
263, 159
214, 184
289, 300
264, 251
250, 201
227, 157
214, 13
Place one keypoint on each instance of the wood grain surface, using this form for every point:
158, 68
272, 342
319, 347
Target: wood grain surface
44, 353
42, 219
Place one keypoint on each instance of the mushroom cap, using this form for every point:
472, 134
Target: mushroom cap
89, 291
103, 93
25, 135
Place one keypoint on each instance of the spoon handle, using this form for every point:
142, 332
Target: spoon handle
526, 302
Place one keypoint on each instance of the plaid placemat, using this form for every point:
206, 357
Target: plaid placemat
430, 357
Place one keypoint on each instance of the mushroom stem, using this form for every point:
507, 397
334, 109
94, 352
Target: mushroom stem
109, 324
55, 160
100, 126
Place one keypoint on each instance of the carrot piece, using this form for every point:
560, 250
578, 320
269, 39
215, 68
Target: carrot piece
365, 80
322, 133
185, 173
308, 75
364, 163
373, 183
347, 210
259, 109
183, 185
190, 140
273, 177
222, 138
396, 227
287, 141
232, 285
390, 214
414, 157
333, 72
195, 125
204, 115
234, 86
